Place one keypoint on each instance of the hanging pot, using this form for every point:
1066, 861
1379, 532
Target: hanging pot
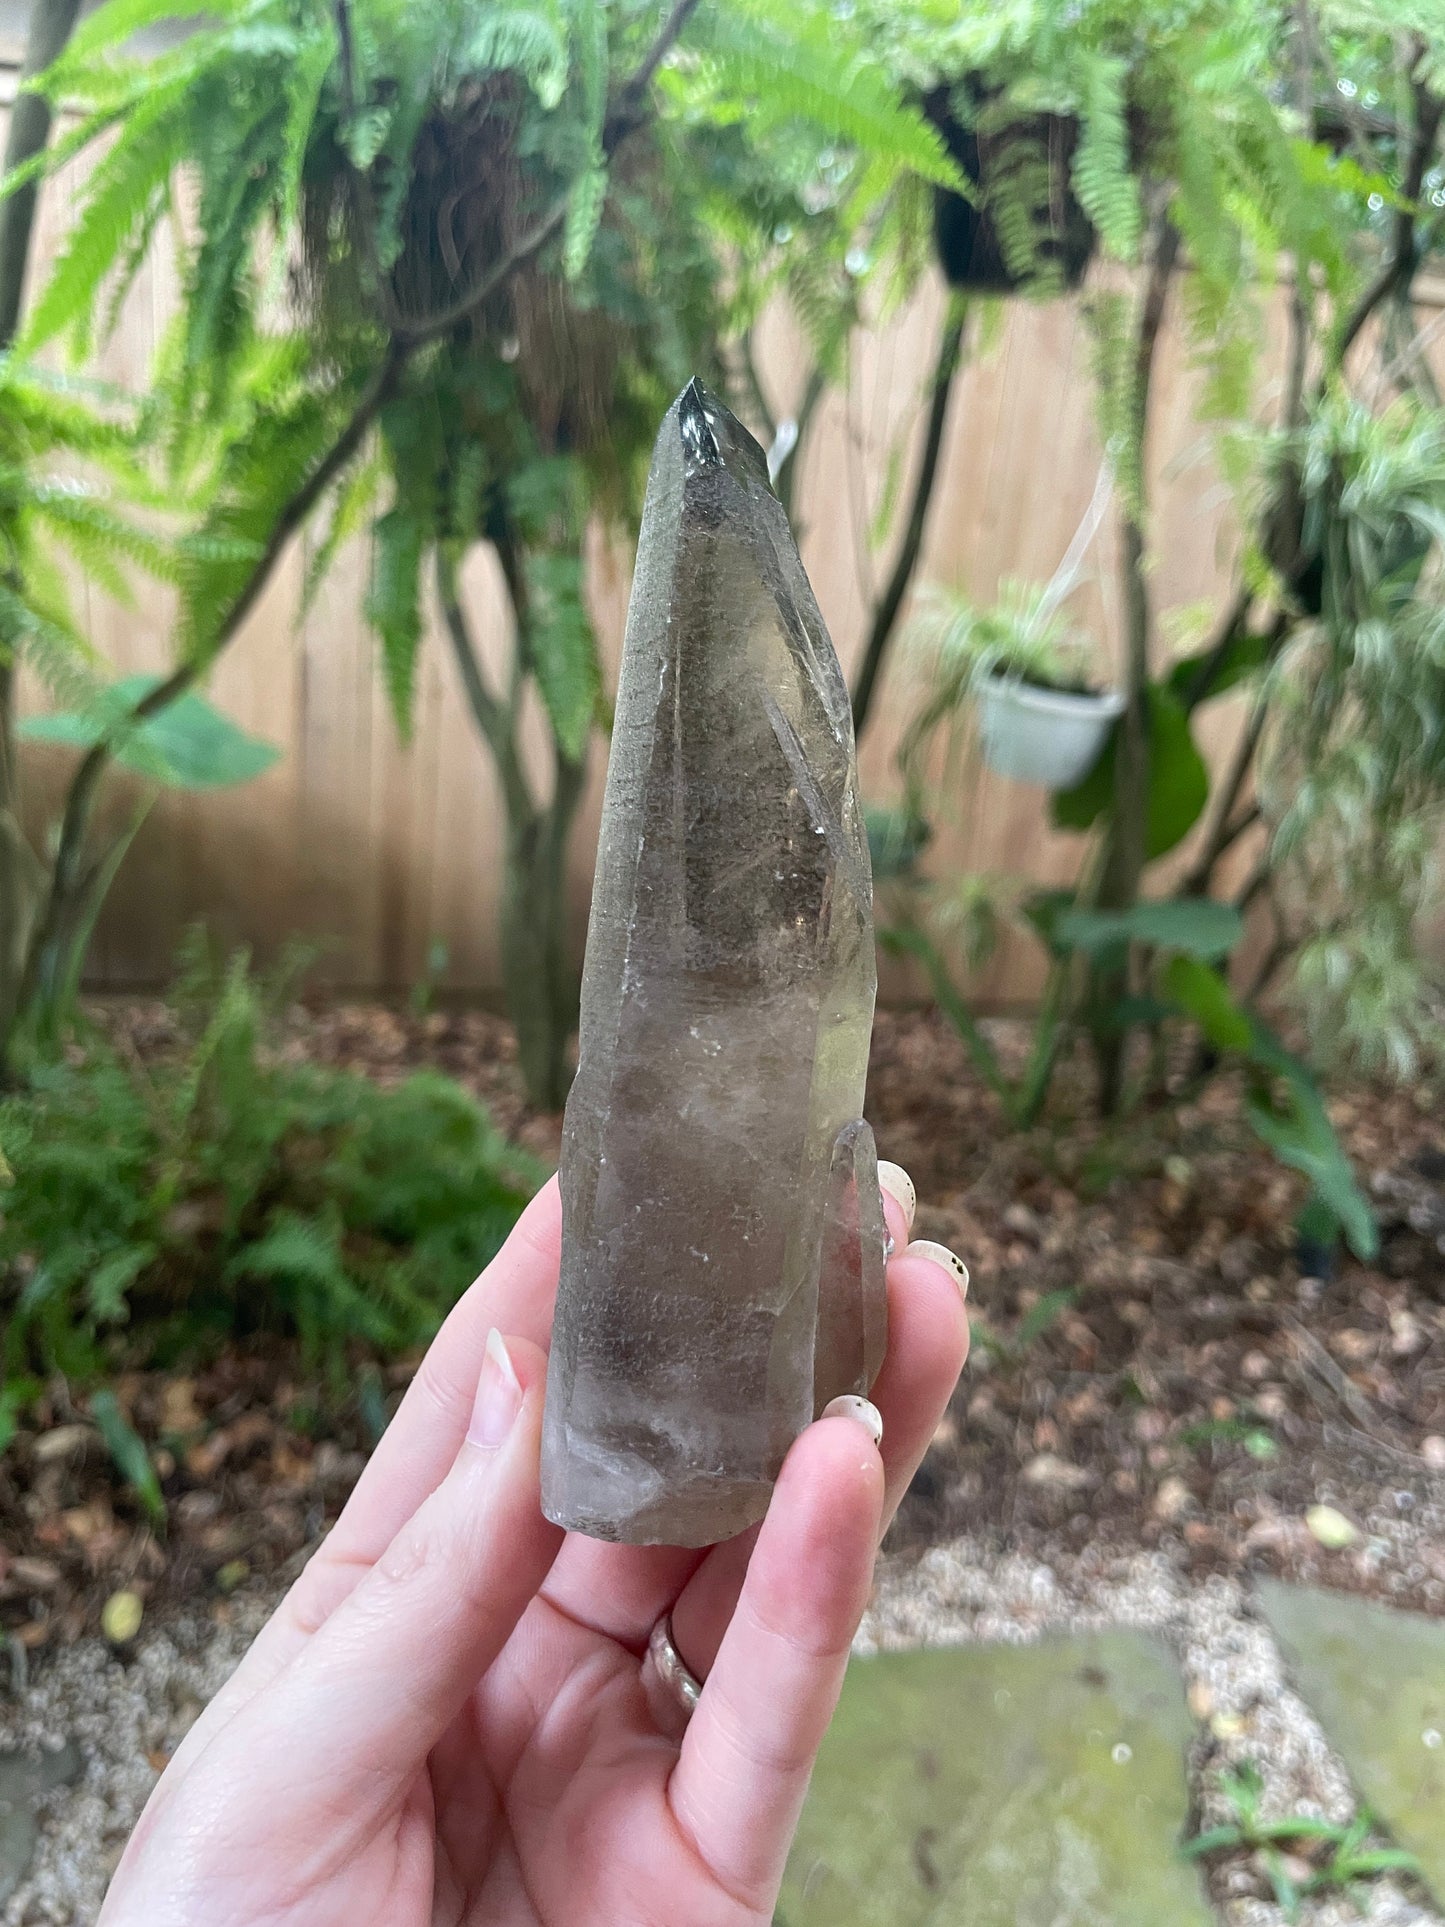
1048, 736
966, 240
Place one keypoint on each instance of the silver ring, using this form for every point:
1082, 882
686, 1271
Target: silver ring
681, 1688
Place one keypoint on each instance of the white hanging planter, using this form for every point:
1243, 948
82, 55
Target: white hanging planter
1046, 736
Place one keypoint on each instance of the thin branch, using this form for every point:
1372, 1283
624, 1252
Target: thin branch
757, 394
1258, 881
785, 481
486, 708
625, 115
1222, 835
1403, 256
50, 28
886, 610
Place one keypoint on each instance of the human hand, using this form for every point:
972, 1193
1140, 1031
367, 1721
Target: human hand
448, 1719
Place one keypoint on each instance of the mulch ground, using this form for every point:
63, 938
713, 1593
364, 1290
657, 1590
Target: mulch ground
1151, 1366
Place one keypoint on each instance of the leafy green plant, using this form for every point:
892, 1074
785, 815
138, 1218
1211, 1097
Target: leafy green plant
1342, 1850
154, 1209
1188, 941
517, 235
1209, 142
1024, 635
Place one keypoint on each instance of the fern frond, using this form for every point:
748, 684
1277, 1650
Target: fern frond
393, 606
118, 200
563, 648
1103, 179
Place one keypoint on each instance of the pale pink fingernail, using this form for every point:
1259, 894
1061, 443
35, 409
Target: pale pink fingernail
861, 1410
893, 1179
941, 1255
499, 1396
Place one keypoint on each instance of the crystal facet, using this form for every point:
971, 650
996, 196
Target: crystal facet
722, 1254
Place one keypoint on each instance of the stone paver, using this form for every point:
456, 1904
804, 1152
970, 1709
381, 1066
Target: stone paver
1375, 1680
1002, 1786
24, 1779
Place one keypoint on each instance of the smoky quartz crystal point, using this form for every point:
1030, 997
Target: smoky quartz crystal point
723, 1238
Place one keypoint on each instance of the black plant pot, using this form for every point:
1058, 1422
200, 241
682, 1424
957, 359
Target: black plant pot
969, 249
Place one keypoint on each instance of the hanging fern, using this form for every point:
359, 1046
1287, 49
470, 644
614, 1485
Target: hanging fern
1103, 176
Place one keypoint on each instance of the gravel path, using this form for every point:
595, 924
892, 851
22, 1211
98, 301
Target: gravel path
127, 1715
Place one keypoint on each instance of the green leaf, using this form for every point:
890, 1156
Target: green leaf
584, 217
1201, 993
792, 64
523, 39
1297, 1128
1210, 1841
1194, 926
1243, 656
1040, 1316
108, 1283
187, 745
127, 1449
393, 605
563, 648
1178, 779
116, 201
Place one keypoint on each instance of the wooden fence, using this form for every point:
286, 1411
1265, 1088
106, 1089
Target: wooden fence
388, 855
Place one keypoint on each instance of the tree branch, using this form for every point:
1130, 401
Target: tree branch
80, 799
785, 481
1403, 257
625, 116
51, 25
885, 612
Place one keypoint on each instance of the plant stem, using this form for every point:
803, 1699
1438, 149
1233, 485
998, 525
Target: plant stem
1222, 834
886, 610
537, 973
785, 482
1403, 258
1128, 830
69, 868
51, 25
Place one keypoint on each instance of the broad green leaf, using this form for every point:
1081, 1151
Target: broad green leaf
1300, 1135
187, 745
1243, 657
1192, 925
1178, 779
1201, 993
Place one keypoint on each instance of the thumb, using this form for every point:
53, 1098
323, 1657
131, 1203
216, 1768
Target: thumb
388, 1672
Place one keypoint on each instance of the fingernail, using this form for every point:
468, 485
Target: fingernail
863, 1410
899, 1186
941, 1255
499, 1396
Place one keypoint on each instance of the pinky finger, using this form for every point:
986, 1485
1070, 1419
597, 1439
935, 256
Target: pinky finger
748, 1753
